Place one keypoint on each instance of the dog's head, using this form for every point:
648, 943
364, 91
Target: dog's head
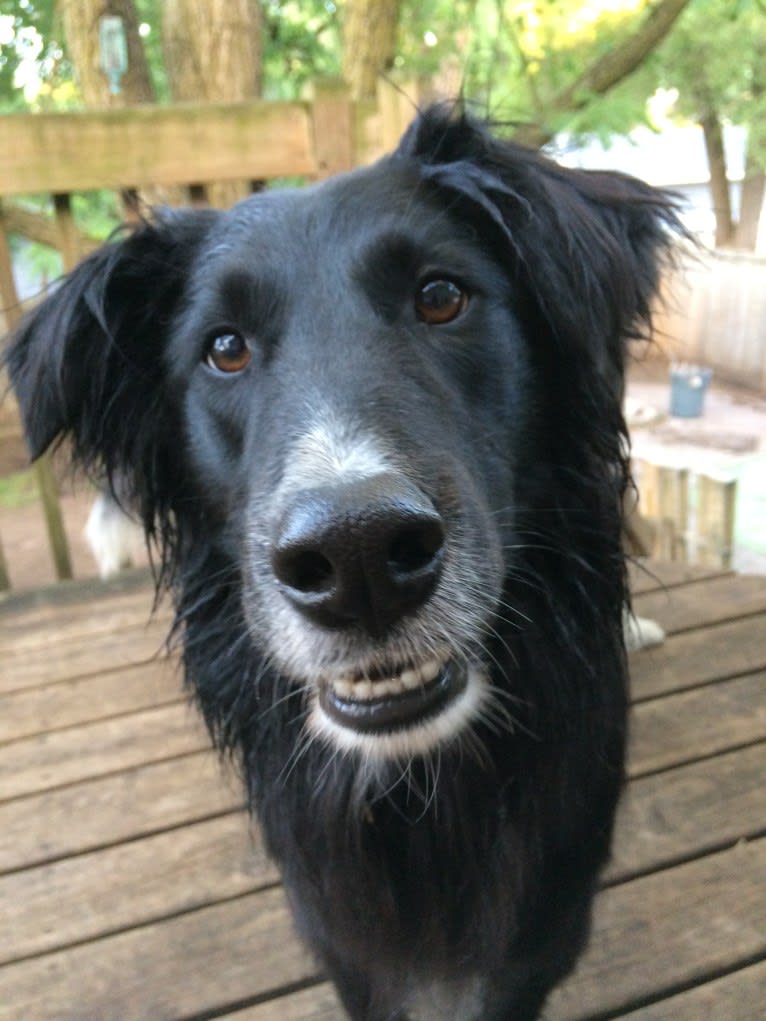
375, 422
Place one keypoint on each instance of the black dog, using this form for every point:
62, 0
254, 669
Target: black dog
374, 428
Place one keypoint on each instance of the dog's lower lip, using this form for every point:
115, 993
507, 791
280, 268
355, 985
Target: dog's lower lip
386, 712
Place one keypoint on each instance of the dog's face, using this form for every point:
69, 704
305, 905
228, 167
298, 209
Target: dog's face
366, 397
356, 389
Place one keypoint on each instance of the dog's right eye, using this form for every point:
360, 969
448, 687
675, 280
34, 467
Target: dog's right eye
440, 301
228, 353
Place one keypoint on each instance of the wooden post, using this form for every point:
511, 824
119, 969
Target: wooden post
69, 240
5, 580
68, 234
399, 103
332, 127
665, 500
54, 520
12, 313
8, 294
714, 525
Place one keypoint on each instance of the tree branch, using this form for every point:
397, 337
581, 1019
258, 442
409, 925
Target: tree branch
609, 70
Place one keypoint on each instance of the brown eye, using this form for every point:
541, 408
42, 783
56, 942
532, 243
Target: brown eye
228, 353
440, 301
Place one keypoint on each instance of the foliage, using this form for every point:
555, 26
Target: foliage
517, 57
716, 63
28, 37
301, 42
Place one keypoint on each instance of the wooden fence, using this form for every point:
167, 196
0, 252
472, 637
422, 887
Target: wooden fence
189, 145
715, 315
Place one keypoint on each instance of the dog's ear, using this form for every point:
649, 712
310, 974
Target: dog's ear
589, 246
87, 361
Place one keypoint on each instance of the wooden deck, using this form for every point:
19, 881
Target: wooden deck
130, 887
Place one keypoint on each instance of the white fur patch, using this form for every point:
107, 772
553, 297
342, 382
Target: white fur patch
114, 538
330, 450
641, 632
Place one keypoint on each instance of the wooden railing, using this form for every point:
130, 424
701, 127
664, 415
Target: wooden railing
183, 145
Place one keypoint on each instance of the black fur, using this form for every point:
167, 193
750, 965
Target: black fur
477, 861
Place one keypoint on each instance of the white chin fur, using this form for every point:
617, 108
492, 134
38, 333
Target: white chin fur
407, 742
115, 540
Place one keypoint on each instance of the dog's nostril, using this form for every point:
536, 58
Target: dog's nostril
306, 571
312, 572
415, 549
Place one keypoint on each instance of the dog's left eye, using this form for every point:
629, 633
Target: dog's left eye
440, 301
228, 353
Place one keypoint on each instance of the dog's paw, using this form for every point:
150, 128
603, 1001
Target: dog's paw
641, 632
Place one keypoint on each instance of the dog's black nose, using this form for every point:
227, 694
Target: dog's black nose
364, 552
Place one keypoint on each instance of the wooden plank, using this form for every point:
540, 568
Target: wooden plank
9, 299
670, 731
653, 935
62, 660
35, 624
332, 125
66, 229
66, 704
714, 525
184, 967
39, 227
179, 144
694, 658
709, 602
652, 575
122, 806
83, 898
668, 930
54, 520
664, 501
317, 1003
737, 997
96, 749
35, 607
689, 811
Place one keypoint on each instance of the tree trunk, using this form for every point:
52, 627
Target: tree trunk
80, 21
369, 43
719, 182
213, 52
750, 209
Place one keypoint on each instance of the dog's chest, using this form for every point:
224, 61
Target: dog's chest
460, 1000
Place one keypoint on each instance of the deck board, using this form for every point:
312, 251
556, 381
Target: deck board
132, 885
124, 806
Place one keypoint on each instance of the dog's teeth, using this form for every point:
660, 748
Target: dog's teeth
429, 671
410, 679
407, 680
